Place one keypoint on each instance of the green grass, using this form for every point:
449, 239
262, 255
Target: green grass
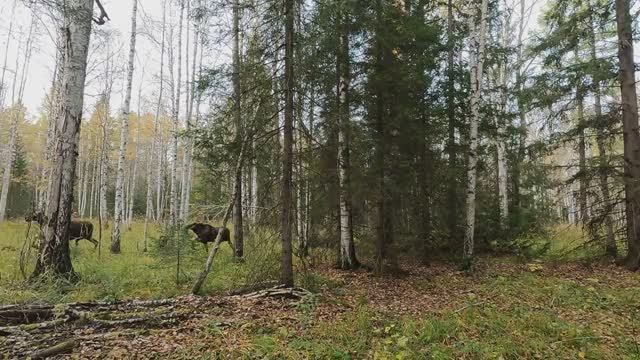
133, 273
526, 317
521, 314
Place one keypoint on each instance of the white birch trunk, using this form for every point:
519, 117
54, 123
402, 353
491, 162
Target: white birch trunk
478, 36
54, 254
502, 176
173, 152
8, 165
85, 182
347, 249
119, 207
3, 87
188, 145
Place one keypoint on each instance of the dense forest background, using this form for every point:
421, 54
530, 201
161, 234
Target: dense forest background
416, 127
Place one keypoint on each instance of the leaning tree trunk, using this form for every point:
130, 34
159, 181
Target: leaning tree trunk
478, 34
119, 207
287, 149
54, 254
348, 258
237, 210
630, 130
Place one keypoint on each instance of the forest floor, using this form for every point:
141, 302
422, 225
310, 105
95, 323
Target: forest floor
555, 308
505, 310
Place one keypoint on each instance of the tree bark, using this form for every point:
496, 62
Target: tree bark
119, 207
54, 254
3, 87
173, 154
348, 258
582, 162
188, 151
610, 240
630, 131
287, 150
522, 116
503, 192
478, 34
237, 210
452, 191
8, 166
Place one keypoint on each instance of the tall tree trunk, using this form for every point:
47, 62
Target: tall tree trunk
348, 258
134, 176
478, 34
610, 240
104, 168
287, 150
188, 149
173, 154
94, 181
3, 86
522, 115
502, 176
8, 165
380, 150
54, 254
85, 182
582, 154
54, 108
237, 210
452, 191
119, 207
631, 132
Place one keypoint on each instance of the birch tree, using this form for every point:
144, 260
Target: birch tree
3, 86
119, 206
348, 258
478, 38
54, 254
502, 80
173, 152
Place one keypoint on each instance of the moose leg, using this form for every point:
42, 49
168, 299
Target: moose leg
94, 242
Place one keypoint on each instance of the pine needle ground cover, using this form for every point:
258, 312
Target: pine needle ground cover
508, 309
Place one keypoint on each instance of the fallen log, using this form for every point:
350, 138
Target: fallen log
25, 315
61, 348
25, 328
279, 291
